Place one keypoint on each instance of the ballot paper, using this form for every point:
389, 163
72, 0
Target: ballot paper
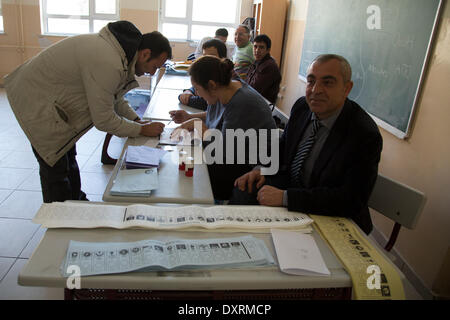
136, 182
298, 254
177, 254
143, 157
238, 218
181, 137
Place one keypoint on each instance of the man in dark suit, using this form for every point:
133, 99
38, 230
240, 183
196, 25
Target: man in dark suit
329, 152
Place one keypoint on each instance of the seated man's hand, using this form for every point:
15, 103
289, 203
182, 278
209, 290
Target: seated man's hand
247, 180
179, 116
152, 129
184, 97
270, 196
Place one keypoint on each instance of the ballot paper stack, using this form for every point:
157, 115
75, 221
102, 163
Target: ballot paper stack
140, 157
176, 254
137, 182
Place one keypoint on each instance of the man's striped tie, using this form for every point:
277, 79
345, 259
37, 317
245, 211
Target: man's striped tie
303, 152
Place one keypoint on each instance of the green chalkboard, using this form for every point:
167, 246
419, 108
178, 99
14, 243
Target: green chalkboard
385, 41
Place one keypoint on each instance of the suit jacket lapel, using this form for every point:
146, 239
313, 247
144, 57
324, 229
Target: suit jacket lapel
334, 140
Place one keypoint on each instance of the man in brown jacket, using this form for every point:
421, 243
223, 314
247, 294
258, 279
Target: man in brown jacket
264, 75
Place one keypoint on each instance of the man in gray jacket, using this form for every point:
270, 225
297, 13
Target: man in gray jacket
76, 84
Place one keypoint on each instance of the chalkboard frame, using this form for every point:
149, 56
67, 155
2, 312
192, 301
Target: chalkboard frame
388, 127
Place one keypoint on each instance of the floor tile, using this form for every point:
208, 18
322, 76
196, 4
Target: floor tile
10, 290
4, 153
15, 235
94, 183
11, 178
15, 143
34, 242
95, 165
95, 197
5, 265
87, 148
14, 131
32, 183
94, 135
20, 159
82, 160
4, 194
21, 204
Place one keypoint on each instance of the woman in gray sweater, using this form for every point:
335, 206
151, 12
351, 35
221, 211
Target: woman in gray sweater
232, 104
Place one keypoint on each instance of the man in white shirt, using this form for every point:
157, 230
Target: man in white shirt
221, 34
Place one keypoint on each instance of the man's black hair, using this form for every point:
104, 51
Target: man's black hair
263, 38
222, 32
219, 45
157, 43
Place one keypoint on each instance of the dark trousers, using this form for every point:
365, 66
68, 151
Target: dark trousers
62, 181
239, 197
222, 177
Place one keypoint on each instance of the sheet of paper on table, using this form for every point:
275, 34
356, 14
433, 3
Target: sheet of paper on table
298, 254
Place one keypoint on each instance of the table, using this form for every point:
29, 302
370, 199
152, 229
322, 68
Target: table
163, 101
43, 270
175, 82
174, 186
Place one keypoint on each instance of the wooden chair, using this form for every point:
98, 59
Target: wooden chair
105, 158
398, 202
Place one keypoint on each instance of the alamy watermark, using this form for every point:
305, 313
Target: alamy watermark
254, 147
74, 280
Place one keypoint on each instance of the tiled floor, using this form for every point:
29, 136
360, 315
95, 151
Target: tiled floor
20, 198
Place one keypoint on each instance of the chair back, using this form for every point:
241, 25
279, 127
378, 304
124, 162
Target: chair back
397, 201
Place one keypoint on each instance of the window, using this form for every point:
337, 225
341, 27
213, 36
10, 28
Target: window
195, 19
77, 16
1, 18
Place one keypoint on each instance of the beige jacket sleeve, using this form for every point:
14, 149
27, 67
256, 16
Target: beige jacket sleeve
123, 109
101, 85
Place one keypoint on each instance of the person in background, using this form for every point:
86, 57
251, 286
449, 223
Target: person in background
78, 83
232, 104
329, 152
189, 97
222, 35
243, 54
264, 75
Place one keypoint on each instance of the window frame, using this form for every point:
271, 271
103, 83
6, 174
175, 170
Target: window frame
189, 22
2, 24
91, 17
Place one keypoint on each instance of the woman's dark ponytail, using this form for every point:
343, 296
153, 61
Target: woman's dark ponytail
209, 68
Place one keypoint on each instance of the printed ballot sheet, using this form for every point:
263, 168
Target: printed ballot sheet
298, 254
177, 254
253, 218
135, 182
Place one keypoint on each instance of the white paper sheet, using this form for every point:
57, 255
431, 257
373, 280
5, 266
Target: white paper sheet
298, 254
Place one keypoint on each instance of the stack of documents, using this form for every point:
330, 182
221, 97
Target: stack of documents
181, 137
143, 157
177, 254
138, 182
